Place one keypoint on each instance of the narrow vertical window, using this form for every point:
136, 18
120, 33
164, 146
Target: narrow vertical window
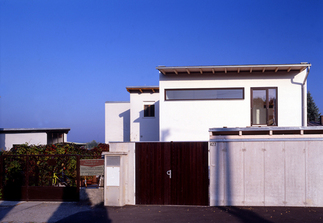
264, 106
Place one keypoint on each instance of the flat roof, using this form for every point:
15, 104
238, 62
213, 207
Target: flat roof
233, 68
33, 130
115, 102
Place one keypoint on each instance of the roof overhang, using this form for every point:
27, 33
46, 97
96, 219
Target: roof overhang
35, 130
233, 69
146, 89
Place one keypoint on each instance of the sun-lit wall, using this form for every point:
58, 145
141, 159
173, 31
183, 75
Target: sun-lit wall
117, 122
10, 139
190, 120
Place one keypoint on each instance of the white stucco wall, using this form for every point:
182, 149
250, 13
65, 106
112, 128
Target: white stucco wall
117, 122
10, 139
190, 120
144, 128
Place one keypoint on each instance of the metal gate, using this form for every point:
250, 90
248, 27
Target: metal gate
172, 173
40, 177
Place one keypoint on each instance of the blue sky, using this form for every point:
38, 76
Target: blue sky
60, 61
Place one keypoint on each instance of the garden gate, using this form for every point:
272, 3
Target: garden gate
40, 177
172, 173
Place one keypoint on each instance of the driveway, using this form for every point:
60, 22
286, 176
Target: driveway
78, 212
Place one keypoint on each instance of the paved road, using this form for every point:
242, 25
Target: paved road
77, 212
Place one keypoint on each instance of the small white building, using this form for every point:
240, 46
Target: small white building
33, 136
191, 100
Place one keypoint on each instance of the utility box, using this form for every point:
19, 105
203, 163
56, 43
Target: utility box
114, 178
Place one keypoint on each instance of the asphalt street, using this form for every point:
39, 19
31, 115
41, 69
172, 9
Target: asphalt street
78, 212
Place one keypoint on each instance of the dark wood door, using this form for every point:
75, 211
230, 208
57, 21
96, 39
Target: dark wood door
172, 173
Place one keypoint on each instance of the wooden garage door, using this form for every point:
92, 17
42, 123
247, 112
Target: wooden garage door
172, 173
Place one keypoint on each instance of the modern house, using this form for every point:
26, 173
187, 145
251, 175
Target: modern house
216, 135
192, 99
10, 137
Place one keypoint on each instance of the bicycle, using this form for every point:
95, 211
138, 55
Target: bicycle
60, 182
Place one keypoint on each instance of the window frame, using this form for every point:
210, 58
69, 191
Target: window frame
267, 105
205, 99
152, 106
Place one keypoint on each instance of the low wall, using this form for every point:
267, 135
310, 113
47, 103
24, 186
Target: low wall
266, 171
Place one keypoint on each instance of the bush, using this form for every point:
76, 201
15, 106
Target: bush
41, 168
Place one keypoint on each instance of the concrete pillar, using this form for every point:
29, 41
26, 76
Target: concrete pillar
114, 177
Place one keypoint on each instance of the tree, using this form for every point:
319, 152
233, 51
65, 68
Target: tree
313, 113
91, 145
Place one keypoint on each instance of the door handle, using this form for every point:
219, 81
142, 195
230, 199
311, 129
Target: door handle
169, 173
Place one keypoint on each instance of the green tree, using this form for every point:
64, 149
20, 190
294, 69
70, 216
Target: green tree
313, 113
92, 144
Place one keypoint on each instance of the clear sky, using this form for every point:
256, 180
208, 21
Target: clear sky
61, 60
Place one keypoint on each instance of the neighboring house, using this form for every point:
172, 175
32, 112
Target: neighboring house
191, 100
11, 137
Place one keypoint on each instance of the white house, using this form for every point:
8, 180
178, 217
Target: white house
11, 137
191, 100
250, 121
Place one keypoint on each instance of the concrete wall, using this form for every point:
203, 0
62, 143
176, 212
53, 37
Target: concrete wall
144, 128
10, 139
266, 172
127, 175
190, 120
117, 122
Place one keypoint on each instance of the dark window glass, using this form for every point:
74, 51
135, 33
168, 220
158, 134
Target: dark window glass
204, 94
149, 110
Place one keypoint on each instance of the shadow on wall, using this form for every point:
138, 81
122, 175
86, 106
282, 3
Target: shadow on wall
148, 127
164, 135
222, 161
222, 164
126, 125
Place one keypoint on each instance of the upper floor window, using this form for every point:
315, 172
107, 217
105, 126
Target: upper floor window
264, 106
149, 110
204, 94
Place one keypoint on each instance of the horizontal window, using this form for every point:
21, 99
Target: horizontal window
204, 94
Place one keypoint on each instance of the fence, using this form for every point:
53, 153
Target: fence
266, 169
40, 177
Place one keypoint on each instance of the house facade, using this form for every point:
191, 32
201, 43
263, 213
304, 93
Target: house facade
191, 100
232, 135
